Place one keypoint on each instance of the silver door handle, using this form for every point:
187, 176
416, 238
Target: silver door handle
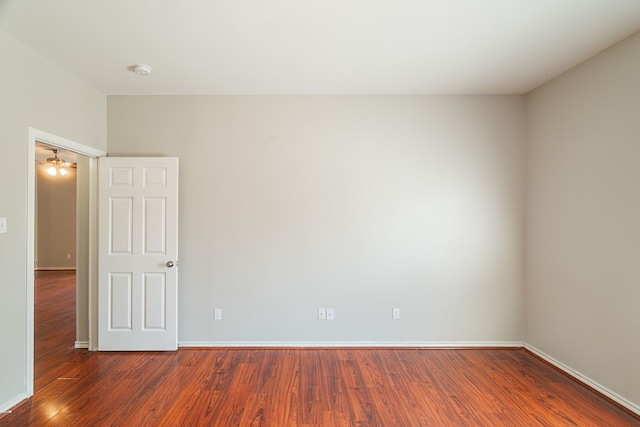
169, 264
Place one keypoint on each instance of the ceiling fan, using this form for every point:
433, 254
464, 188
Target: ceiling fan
57, 166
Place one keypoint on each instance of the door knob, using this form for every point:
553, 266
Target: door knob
169, 264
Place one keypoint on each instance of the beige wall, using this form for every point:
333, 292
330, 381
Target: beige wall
56, 220
583, 219
38, 94
358, 203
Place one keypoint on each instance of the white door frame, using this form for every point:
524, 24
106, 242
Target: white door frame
36, 135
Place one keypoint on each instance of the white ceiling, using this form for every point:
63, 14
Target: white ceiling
319, 46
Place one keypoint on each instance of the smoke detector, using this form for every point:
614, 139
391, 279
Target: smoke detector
141, 69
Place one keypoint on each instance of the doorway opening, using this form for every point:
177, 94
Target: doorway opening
90, 154
61, 230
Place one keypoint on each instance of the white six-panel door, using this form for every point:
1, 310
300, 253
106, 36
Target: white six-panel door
138, 253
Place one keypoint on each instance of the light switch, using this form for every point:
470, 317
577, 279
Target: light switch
3, 225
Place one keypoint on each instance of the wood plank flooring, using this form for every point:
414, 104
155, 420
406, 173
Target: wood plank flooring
292, 386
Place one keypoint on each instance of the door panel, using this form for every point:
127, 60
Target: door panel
120, 293
121, 231
155, 219
138, 253
154, 296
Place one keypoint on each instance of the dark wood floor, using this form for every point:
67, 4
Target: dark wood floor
291, 387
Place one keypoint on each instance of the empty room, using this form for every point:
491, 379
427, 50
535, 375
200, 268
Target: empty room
320, 213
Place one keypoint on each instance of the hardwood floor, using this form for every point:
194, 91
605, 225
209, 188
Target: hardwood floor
291, 387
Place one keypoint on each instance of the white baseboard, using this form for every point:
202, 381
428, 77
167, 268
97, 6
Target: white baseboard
55, 269
81, 344
353, 344
585, 380
6, 406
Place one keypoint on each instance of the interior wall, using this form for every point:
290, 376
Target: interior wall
583, 228
38, 94
56, 220
357, 203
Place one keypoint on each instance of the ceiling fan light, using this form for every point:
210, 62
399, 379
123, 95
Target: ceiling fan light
56, 165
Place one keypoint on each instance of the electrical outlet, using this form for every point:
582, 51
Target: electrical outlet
322, 314
68, 256
330, 314
395, 314
217, 314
